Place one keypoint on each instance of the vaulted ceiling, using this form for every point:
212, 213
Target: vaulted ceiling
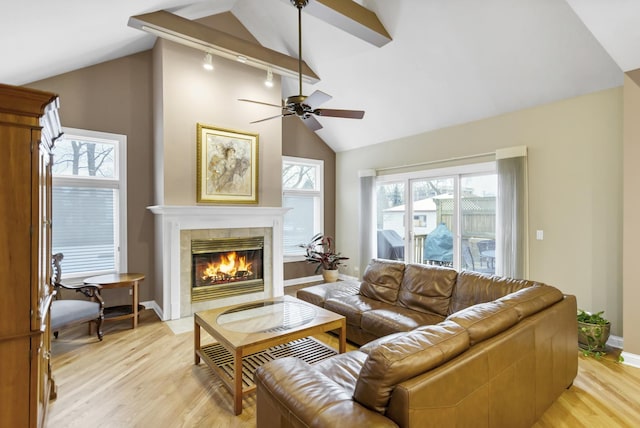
449, 62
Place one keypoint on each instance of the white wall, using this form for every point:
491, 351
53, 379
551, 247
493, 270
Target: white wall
575, 189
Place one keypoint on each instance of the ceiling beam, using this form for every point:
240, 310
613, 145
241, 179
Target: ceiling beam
189, 33
351, 17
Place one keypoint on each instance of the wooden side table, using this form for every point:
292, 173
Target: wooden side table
118, 280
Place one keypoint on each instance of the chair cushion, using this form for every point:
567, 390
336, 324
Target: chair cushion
404, 357
64, 312
427, 288
381, 281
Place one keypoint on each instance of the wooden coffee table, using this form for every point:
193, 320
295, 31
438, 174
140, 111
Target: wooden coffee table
266, 325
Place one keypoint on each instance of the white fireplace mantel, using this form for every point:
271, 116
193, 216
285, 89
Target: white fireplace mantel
174, 218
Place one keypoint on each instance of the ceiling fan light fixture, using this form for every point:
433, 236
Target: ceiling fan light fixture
207, 63
269, 80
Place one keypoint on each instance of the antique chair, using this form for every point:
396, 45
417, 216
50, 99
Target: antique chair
65, 313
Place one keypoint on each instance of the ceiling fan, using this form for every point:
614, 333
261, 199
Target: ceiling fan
305, 106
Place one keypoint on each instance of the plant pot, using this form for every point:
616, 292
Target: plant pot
330, 275
593, 337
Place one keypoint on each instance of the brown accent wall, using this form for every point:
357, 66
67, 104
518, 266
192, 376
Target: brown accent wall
299, 141
116, 97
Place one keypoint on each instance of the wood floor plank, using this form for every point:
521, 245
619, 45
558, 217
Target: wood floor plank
146, 377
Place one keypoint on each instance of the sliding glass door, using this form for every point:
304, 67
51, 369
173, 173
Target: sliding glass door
433, 221
478, 222
444, 217
391, 220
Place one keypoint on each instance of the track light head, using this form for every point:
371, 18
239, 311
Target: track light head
269, 80
208, 62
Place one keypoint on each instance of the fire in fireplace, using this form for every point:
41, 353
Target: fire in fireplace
220, 268
226, 267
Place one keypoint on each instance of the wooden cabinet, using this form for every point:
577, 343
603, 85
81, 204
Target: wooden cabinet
29, 125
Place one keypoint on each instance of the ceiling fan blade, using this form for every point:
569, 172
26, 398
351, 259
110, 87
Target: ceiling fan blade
311, 123
349, 114
259, 102
272, 117
317, 98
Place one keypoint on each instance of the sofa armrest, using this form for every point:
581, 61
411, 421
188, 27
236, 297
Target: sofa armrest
291, 393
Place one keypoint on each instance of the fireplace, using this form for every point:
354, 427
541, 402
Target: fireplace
226, 267
177, 226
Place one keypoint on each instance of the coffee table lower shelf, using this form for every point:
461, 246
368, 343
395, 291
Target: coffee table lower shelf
221, 361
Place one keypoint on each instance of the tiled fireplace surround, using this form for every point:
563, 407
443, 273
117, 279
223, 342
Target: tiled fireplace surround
177, 225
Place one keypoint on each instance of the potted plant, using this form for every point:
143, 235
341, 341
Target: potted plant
593, 333
320, 251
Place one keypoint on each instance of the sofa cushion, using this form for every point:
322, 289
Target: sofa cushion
297, 389
343, 369
352, 307
382, 322
368, 347
407, 356
381, 280
485, 320
472, 288
317, 294
530, 300
427, 288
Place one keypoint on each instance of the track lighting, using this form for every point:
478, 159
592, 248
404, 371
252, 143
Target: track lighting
269, 80
208, 62
279, 63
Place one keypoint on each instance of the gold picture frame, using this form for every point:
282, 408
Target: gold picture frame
227, 166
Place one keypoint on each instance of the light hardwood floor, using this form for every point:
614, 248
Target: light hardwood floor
146, 378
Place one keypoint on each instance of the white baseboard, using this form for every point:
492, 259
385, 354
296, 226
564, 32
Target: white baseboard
630, 359
151, 304
313, 278
615, 342
303, 280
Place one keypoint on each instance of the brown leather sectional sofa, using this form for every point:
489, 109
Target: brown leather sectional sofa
442, 349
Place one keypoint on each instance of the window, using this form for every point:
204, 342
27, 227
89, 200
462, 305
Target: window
444, 216
302, 191
89, 202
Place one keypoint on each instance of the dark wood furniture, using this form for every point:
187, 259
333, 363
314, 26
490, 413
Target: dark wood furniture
29, 125
117, 280
69, 312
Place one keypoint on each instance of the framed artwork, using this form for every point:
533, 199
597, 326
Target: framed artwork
227, 166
